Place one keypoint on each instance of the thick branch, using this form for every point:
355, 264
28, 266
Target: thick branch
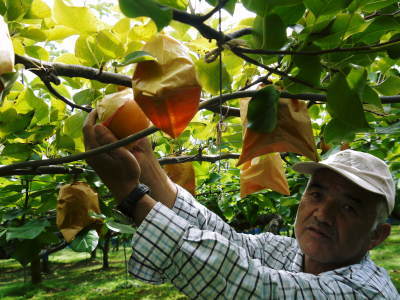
197, 22
58, 69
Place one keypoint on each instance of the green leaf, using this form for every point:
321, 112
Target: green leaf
12, 122
211, 83
290, 14
3, 8
34, 34
372, 6
42, 112
78, 18
85, 241
357, 79
263, 110
212, 178
149, 8
257, 6
16, 10
7, 81
269, 32
39, 10
390, 87
344, 104
87, 49
394, 50
310, 68
135, 57
337, 131
326, 7
371, 98
86, 96
289, 201
37, 52
178, 4
110, 43
119, 227
229, 6
17, 152
73, 124
29, 230
379, 27
59, 32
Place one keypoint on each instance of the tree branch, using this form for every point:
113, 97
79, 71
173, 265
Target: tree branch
62, 98
379, 13
215, 101
370, 48
197, 157
274, 71
57, 69
44, 170
221, 4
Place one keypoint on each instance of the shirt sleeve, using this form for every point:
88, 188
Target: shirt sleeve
206, 265
259, 246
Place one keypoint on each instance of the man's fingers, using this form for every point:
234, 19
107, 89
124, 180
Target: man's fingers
103, 135
89, 135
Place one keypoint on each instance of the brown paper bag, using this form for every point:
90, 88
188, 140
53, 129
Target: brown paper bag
73, 205
182, 174
263, 172
293, 133
167, 89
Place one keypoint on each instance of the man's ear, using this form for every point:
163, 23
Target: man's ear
379, 235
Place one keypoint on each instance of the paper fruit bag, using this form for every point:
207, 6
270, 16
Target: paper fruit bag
263, 172
182, 174
74, 202
293, 133
167, 89
6, 49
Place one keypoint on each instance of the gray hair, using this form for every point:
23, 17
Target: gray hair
381, 213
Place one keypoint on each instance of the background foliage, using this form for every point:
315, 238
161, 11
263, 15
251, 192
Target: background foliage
340, 56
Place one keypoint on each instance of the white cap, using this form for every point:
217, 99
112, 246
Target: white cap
364, 169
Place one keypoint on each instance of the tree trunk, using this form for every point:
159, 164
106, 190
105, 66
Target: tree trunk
45, 264
93, 254
106, 249
36, 275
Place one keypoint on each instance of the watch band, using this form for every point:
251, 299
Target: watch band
127, 205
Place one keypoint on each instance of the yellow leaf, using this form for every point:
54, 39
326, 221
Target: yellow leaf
78, 18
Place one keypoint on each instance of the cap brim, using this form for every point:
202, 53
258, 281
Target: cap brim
310, 167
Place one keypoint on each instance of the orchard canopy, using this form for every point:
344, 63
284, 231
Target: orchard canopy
334, 62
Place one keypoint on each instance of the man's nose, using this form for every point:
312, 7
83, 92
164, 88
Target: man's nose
327, 211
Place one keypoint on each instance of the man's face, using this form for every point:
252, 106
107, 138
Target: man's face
335, 219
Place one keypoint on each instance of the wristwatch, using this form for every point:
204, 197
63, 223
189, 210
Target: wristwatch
127, 205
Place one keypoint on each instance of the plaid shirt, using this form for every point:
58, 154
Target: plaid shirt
206, 259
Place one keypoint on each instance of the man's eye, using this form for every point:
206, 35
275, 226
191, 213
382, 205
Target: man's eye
349, 208
315, 195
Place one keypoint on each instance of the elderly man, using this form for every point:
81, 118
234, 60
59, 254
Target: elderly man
341, 217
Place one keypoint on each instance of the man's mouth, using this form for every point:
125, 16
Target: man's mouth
319, 232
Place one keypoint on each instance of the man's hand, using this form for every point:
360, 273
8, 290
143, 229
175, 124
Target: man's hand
118, 168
